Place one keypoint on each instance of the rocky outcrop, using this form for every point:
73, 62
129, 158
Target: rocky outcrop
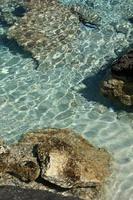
57, 160
119, 82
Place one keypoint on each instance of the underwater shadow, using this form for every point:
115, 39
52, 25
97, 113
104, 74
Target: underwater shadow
15, 48
19, 11
92, 91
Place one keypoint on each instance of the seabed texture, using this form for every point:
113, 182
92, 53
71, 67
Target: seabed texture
66, 94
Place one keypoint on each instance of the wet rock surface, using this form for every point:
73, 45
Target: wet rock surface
119, 83
57, 160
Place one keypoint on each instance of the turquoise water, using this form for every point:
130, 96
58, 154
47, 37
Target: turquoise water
68, 97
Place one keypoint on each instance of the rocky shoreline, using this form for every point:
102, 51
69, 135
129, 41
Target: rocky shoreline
56, 160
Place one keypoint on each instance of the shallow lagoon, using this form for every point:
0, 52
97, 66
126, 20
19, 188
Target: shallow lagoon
64, 96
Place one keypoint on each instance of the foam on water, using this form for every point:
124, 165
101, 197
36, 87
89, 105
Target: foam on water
64, 96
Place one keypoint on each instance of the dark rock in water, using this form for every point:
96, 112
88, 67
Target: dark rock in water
57, 160
123, 67
8, 10
130, 20
119, 83
19, 11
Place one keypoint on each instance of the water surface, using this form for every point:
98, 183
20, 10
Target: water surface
68, 97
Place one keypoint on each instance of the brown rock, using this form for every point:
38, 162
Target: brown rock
123, 67
60, 160
26, 170
119, 83
22, 163
68, 158
4, 154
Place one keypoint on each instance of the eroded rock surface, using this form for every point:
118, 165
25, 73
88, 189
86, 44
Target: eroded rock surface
119, 83
59, 160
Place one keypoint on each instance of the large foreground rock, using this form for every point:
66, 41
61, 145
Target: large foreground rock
119, 82
56, 160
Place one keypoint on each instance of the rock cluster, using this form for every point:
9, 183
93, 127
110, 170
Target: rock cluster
56, 159
119, 83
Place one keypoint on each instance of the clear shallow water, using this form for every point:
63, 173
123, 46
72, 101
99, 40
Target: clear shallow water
68, 97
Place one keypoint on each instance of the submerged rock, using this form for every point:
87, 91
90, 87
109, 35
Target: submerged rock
8, 10
47, 26
86, 15
119, 83
50, 30
57, 160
